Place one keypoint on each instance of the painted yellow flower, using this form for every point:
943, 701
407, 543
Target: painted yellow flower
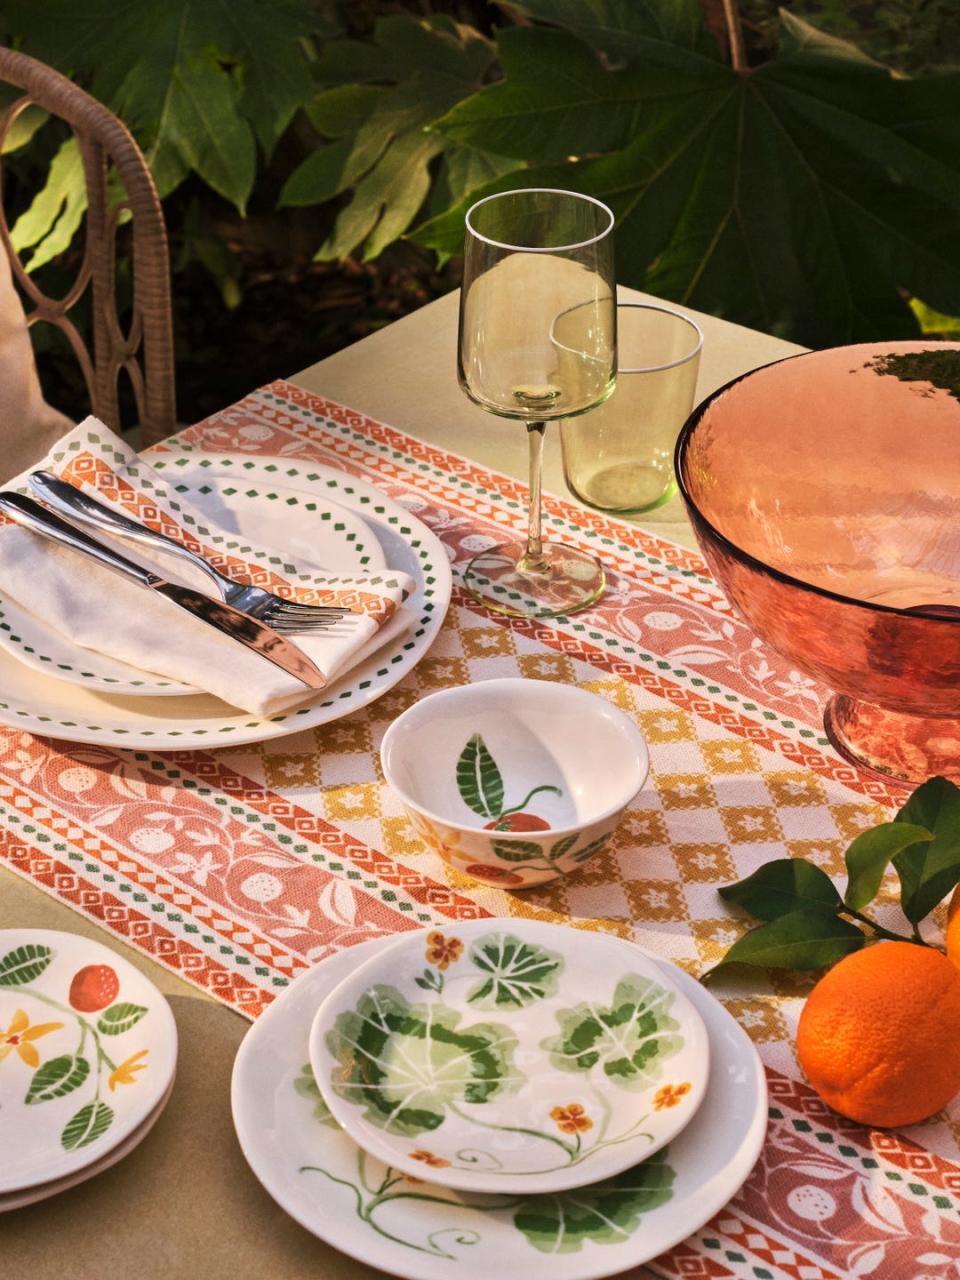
442, 951
571, 1119
428, 1158
125, 1073
20, 1036
669, 1095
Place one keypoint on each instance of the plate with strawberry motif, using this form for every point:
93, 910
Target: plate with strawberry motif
407, 1227
510, 1056
88, 1050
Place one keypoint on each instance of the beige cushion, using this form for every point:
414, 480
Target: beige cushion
28, 425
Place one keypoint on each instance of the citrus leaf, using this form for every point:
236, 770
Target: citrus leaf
479, 780
782, 886
928, 871
57, 1077
24, 964
516, 972
804, 939
119, 1018
869, 855
90, 1123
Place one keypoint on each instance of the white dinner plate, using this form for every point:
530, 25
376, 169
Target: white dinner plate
246, 521
425, 1232
88, 1048
510, 1056
43, 705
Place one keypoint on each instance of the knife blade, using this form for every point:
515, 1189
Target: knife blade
231, 622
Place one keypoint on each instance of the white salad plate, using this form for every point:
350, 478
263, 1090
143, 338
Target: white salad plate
88, 1050
44, 1190
41, 704
379, 1216
317, 532
510, 1056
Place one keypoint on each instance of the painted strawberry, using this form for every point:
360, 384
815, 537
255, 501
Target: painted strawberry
93, 988
499, 875
518, 822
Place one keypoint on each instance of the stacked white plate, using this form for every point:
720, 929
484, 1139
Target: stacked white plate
282, 511
88, 1052
499, 1097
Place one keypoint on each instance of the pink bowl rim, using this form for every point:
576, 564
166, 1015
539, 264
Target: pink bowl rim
698, 518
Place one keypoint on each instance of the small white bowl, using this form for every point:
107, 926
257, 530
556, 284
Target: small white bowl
515, 782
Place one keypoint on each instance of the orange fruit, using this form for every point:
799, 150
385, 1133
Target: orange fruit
953, 927
878, 1035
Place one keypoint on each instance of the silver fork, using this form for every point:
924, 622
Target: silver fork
284, 616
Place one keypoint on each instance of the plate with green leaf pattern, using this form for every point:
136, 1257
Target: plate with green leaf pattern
403, 1226
510, 1056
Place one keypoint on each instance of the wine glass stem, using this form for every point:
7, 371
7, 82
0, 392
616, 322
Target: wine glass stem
532, 560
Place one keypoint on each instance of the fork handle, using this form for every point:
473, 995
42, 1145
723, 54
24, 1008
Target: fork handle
79, 506
39, 520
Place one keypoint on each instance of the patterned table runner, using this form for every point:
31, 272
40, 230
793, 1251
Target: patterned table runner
241, 867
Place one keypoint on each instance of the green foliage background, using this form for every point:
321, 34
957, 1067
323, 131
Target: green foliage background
815, 195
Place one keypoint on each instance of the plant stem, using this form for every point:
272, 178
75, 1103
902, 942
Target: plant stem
880, 931
526, 800
738, 54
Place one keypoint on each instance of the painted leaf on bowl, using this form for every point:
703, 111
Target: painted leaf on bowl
56, 1078
479, 780
630, 1039
307, 1087
406, 1063
590, 849
90, 1123
607, 1212
517, 850
24, 964
516, 972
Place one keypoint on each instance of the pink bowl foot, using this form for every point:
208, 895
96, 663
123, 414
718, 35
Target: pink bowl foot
907, 748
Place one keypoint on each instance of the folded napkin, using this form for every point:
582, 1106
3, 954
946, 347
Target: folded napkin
100, 610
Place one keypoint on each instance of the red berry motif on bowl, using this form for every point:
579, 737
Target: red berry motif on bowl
93, 988
498, 874
481, 788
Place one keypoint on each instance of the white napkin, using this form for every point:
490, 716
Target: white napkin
100, 610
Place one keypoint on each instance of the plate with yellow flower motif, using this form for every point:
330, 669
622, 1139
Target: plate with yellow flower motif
88, 1049
510, 1056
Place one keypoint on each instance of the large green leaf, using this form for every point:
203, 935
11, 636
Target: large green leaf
782, 886
48, 225
804, 197
629, 1039
929, 870
607, 1212
667, 31
405, 1063
379, 149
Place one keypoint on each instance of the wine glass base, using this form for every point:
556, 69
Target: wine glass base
895, 746
562, 581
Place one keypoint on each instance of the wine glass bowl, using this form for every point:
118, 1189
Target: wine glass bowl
824, 491
537, 262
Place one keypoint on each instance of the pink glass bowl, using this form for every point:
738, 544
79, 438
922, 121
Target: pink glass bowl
824, 491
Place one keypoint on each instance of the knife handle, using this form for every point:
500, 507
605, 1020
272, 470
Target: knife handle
40, 520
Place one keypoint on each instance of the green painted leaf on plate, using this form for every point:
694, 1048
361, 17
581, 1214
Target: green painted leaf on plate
515, 972
406, 1062
57, 1077
119, 1018
90, 1123
24, 964
607, 1212
306, 1086
478, 779
630, 1038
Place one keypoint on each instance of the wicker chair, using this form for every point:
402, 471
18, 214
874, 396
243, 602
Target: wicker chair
146, 350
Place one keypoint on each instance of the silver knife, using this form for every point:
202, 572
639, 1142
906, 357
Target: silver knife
239, 626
